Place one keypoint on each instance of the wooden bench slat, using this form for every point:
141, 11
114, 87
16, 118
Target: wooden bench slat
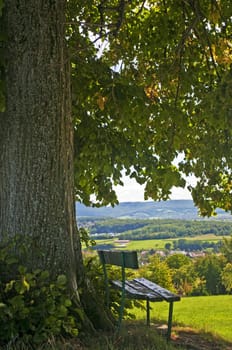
166, 294
134, 289
148, 293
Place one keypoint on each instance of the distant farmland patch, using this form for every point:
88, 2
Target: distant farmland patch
153, 243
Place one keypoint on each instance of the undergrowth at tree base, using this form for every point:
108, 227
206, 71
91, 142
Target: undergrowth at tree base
135, 335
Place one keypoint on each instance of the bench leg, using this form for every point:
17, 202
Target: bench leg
148, 312
121, 311
170, 320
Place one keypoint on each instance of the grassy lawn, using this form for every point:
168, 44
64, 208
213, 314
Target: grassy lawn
207, 313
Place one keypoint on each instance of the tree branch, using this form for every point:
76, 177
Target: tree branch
202, 17
141, 8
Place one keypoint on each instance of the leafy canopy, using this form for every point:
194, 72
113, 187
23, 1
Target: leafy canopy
151, 80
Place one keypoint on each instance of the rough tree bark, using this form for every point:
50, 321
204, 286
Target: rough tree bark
36, 159
37, 196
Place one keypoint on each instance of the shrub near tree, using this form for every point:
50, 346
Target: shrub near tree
33, 306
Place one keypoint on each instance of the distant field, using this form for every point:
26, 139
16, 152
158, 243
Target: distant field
208, 313
136, 245
148, 244
156, 243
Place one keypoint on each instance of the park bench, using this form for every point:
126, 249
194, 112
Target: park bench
138, 288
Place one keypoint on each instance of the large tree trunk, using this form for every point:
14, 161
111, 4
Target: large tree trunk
36, 139
37, 196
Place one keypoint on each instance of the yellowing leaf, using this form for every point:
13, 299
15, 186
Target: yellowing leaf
152, 93
25, 284
101, 102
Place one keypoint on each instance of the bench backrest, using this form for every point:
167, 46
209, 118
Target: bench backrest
125, 259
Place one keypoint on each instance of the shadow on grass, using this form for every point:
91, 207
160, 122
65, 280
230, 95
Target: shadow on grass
198, 340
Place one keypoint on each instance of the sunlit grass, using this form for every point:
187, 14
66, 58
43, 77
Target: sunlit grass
207, 313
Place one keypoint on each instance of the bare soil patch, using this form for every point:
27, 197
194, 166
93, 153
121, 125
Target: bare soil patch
192, 339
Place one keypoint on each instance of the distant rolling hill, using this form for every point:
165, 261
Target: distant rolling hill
173, 209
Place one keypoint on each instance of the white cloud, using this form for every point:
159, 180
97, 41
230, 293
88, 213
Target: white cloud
130, 192
133, 192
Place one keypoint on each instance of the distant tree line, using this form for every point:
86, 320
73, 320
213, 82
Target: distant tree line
155, 228
195, 245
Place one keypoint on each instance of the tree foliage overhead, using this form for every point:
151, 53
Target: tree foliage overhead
152, 80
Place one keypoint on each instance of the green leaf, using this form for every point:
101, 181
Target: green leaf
1, 6
61, 280
9, 285
67, 302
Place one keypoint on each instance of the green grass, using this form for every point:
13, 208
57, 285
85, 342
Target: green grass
206, 313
